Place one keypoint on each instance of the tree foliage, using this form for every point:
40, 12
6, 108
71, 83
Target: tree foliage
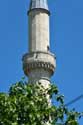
27, 104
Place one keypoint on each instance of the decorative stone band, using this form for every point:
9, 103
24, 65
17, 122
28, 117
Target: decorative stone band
29, 66
39, 9
38, 60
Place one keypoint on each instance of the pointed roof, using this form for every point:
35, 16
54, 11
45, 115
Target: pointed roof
39, 4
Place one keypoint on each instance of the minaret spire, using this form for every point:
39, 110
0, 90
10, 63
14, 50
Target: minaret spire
39, 63
39, 4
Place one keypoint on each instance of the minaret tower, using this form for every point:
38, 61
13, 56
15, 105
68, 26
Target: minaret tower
39, 63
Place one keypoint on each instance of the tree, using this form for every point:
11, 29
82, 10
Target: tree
27, 104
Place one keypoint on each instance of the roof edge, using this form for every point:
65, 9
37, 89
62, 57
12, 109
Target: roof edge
38, 9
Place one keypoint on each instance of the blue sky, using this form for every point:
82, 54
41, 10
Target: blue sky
66, 42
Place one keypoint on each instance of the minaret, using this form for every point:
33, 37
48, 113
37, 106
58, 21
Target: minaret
39, 64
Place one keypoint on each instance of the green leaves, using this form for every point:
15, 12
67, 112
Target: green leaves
27, 104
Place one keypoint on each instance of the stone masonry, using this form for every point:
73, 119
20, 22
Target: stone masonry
39, 64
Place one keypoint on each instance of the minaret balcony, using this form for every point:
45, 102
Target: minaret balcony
39, 60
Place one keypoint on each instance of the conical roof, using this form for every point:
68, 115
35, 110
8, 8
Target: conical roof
40, 4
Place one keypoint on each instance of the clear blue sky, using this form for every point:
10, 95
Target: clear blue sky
66, 42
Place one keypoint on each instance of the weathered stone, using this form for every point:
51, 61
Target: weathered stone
39, 64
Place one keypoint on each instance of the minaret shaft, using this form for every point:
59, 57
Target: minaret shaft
39, 63
38, 31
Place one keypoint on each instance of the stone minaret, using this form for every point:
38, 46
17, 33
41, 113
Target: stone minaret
39, 62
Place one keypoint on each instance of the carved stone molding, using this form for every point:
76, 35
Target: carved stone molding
39, 60
27, 67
